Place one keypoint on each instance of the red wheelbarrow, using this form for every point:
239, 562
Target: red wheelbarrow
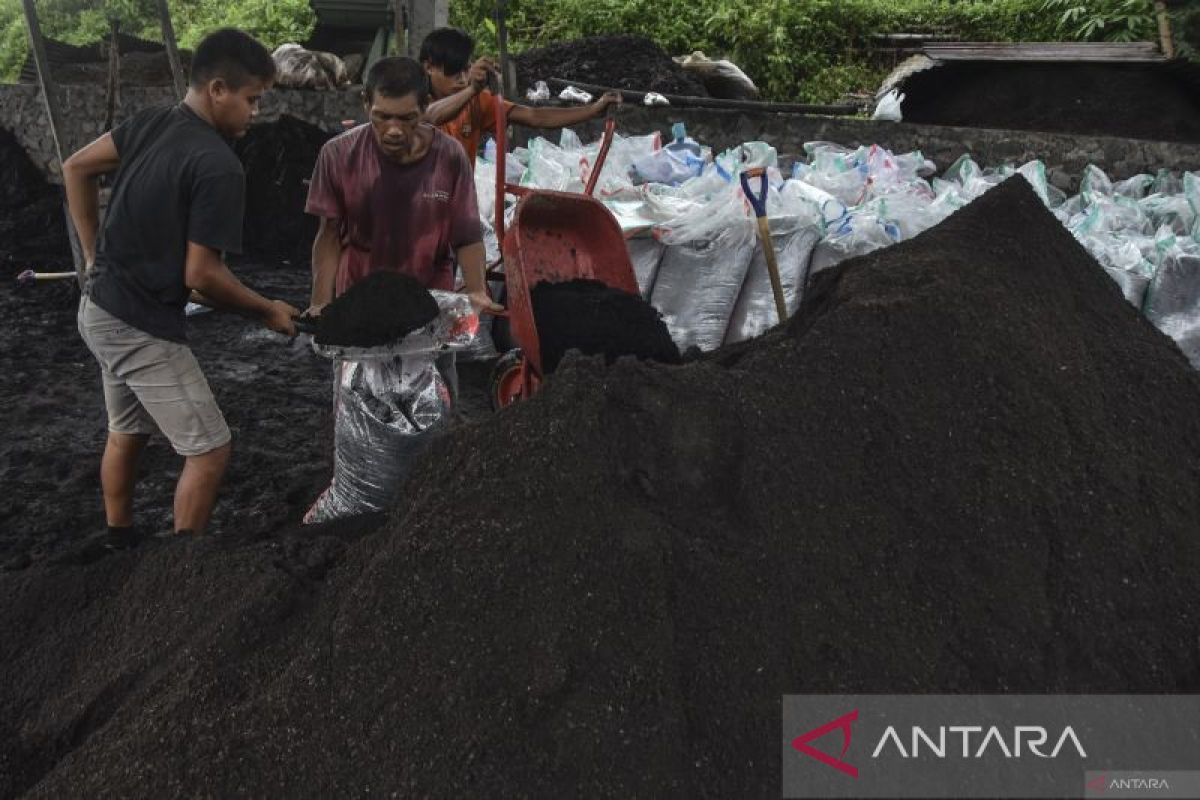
555, 237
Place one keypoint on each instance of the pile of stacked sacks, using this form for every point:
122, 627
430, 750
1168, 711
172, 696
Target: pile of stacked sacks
691, 232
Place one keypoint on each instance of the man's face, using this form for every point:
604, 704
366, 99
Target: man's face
394, 121
443, 84
235, 109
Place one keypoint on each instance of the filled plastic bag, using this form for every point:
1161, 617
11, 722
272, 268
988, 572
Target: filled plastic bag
793, 239
388, 403
702, 270
645, 253
384, 414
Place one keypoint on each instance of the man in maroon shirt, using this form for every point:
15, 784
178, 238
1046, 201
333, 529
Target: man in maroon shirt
395, 194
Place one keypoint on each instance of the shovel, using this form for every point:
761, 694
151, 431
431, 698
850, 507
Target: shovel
759, 204
29, 276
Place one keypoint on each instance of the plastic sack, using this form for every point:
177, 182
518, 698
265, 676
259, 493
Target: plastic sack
755, 313
655, 99
860, 233
384, 414
668, 166
1175, 287
539, 93
721, 78
298, 68
888, 108
645, 253
703, 267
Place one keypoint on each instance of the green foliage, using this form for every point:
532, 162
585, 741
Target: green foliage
86, 21
1104, 20
811, 50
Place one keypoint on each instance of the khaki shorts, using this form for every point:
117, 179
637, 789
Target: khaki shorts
152, 384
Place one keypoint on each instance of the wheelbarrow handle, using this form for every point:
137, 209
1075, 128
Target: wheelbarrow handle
610, 127
757, 201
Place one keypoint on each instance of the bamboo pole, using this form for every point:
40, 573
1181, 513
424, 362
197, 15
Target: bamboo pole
1165, 39
168, 34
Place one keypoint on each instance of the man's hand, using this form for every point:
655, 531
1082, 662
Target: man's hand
607, 99
482, 303
479, 72
281, 318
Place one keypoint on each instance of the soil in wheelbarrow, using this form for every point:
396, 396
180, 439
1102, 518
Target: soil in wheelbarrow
1140, 101
965, 465
597, 319
379, 310
619, 62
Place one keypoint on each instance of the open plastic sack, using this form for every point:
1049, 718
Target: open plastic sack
387, 404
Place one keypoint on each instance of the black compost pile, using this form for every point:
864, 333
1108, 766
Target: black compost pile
596, 319
33, 232
279, 158
1139, 101
381, 309
619, 62
965, 465
134, 69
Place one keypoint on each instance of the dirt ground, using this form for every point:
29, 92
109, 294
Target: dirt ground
275, 394
965, 465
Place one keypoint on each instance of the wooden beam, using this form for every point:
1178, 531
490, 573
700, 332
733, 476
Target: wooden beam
45, 80
168, 34
114, 80
1166, 40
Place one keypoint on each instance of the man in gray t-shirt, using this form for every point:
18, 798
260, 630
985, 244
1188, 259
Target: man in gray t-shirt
176, 207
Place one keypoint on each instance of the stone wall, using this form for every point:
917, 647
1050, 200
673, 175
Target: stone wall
23, 113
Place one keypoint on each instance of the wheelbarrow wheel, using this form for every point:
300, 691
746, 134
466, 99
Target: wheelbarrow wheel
506, 384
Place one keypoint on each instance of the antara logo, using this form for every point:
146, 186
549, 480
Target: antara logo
1025, 739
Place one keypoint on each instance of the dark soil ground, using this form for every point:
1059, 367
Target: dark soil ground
1160, 102
33, 232
620, 62
965, 465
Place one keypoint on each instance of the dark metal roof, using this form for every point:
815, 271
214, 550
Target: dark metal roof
1045, 51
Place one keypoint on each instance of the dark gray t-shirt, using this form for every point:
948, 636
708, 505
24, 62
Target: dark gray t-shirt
179, 181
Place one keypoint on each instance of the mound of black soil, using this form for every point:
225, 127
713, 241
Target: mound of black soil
621, 62
596, 319
966, 464
279, 158
380, 309
136, 69
33, 232
1139, 101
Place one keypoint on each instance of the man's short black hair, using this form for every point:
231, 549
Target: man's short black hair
397, 76
232, 55
448, 48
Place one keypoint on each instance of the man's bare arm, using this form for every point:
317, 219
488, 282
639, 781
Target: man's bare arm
80, 174
206, 273
561, 117
326, 256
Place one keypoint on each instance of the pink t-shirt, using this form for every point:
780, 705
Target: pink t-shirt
403, 217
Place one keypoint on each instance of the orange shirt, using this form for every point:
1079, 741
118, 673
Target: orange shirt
477, 117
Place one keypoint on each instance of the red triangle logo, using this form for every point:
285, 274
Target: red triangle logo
801, 743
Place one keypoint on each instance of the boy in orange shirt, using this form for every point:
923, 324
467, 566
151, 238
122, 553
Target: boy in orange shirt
465, 109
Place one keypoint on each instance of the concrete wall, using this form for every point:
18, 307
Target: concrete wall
23, 113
